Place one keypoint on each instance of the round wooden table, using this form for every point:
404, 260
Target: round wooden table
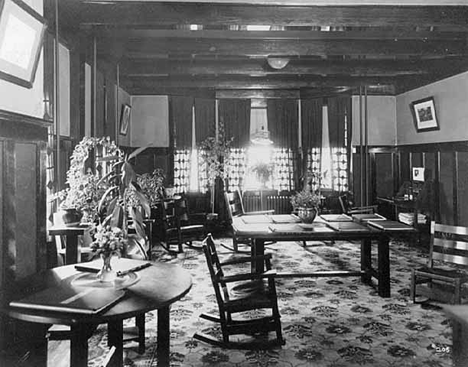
158, 287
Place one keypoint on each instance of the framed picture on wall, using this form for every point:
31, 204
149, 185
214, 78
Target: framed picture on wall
424, 114
125, 119
21, 37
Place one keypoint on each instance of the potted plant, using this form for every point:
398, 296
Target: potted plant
263, 171
306, 202
124, 199
215, 152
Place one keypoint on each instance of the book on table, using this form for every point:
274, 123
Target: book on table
256, 218
69, 298
364, 217
285, 228
348, 226
120, 265
336, 217
390, 225
285, 218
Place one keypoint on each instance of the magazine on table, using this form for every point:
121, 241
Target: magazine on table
69, 298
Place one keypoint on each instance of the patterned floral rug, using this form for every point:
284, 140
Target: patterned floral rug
326, 321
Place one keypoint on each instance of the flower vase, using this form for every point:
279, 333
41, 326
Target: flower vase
106, 274
307, 215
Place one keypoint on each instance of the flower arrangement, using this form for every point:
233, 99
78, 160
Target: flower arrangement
305, 199
109, 241
308, 198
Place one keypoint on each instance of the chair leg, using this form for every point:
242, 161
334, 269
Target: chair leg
457, 293
235, 245
413, 286
140, 324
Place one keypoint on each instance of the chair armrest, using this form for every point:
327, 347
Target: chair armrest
248, 276
363, 209
241, 260
259, 212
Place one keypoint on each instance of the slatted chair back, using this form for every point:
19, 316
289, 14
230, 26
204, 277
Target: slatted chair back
347, 208
449, 244
216, 273
234, 203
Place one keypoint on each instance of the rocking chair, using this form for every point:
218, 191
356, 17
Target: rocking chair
260, 294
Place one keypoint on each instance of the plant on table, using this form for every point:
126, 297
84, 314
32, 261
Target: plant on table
122, 202
306, 202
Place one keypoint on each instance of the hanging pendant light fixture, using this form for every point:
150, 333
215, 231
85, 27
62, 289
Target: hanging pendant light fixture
261, 137
278, 63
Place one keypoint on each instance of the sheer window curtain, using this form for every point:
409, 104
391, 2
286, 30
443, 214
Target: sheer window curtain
339, 122
283, 125
311, 135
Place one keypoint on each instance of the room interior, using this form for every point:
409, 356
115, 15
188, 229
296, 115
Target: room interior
167, 75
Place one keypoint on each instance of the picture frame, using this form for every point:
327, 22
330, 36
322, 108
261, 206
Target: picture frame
424, 114
125, 119
418, 174
21, 39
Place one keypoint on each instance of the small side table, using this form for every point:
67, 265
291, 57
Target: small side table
72, 251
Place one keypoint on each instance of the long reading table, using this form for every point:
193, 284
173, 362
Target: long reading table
262, 228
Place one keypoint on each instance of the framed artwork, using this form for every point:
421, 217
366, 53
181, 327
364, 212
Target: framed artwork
424, 114
21, 37
418, 174
125, 119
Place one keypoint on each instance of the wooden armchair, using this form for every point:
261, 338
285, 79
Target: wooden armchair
180, 226
260, 298
348, 208
235, 208
447, 268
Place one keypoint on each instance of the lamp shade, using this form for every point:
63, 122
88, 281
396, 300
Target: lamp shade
278, 62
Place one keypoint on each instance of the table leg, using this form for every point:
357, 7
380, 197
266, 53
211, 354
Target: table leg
384, 267
71, 250
163, 337
115, 335
366, 260
79, 345
258, 249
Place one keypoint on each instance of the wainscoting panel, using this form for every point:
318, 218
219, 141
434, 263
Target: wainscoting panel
462, 187
446, 174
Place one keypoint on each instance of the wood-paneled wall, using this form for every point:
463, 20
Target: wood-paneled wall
23, 249
445, 163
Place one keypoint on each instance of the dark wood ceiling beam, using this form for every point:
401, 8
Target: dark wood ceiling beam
110, 35
141, 49
299, 66
258, 94
150, 13
255, 83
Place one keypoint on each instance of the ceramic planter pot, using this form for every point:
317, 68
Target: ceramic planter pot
307, 215
71, 217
